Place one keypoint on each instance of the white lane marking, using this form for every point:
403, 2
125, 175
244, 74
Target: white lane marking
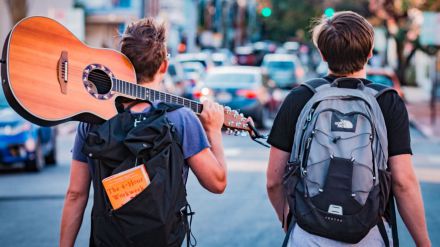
247, 166
233, 152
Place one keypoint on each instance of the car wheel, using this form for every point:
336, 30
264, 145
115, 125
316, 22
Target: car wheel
36, 164
263, 118
51, 157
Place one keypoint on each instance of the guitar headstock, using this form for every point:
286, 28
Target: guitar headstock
236, 123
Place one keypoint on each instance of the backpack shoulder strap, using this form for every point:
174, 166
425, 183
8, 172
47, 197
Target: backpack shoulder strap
167, 107
379, 89
315, 83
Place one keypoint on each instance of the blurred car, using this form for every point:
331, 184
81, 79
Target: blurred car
169, 86
239, 87
322, 69
221, 59
292, 47
24, 142
385, 76
176, 75
203, 58
261, 48
244, 55
175, 71
284, 70
194, 72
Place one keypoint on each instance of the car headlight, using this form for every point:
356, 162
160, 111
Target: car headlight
14, 130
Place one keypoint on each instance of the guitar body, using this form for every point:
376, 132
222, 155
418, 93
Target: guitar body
51, 77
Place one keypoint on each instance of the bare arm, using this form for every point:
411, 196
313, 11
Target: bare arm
209, 165
409, 198
75, 203
275, 171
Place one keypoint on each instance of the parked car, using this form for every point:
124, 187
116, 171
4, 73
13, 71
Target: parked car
221, 59
284, 70
176, 75
239, 87
385, 76
261, 48
244, 55
175, 71
193, 71
203, 58
292, 47
24, 142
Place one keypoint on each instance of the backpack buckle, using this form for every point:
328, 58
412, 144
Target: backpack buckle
136, 121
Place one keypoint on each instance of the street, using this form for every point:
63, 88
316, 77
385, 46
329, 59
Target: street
31, 203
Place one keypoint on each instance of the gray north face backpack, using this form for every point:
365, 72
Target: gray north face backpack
336, 179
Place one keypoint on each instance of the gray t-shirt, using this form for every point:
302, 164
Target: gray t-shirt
300, 237
190, 130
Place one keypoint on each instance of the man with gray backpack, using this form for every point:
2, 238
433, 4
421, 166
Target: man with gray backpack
341, 151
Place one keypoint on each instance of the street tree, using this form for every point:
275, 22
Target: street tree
402, 20
289, 17
18, 10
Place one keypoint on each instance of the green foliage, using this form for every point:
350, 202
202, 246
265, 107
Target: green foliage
290, 17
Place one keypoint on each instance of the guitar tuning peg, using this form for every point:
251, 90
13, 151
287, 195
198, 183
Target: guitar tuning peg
227, 108
229, 131
235, 113
241, 115
236, 132
244, 133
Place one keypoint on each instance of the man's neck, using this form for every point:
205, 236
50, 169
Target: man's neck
358, 74
153, 84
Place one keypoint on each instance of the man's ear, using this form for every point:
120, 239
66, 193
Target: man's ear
370, 55
163, 67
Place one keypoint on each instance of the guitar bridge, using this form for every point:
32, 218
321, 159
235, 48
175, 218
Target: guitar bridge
63, 71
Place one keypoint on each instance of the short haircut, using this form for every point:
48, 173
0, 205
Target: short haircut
345, 41
143, 42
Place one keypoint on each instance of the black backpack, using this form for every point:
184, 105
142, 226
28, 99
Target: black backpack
158, 216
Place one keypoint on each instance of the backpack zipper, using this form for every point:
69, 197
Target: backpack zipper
310, 138
306, 124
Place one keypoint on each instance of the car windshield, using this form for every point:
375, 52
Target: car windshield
3, 102
380, 79
284, 65
202, 62
218, 62
230, 79
191, 69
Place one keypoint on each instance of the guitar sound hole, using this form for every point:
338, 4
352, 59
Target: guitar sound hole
101, 81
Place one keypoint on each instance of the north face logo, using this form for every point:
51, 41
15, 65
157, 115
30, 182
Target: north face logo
344, 124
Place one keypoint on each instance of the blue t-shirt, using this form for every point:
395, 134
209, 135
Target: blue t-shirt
188, 126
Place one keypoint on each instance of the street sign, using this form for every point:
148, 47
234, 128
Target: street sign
429, 33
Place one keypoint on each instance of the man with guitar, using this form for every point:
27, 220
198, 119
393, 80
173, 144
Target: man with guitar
144, 44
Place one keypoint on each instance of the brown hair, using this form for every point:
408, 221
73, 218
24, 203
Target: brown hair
345, 41
143, 42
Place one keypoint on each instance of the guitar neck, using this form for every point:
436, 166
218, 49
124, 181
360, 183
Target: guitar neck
140, 92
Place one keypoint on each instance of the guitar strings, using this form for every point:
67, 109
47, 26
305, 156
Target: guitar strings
102, 79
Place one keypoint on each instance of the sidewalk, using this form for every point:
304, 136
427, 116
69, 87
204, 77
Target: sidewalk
419, 111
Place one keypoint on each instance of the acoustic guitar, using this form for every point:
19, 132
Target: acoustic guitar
50, 77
